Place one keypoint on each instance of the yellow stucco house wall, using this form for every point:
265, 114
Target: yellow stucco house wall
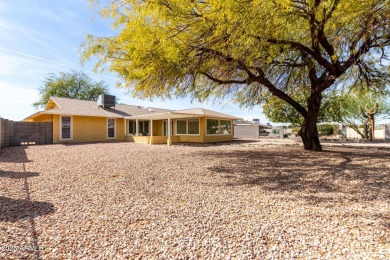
76, 121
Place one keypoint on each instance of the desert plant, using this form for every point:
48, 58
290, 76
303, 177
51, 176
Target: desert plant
369, 118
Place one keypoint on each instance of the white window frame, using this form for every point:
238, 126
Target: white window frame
186, 119
71, 128
219, 126
114, 128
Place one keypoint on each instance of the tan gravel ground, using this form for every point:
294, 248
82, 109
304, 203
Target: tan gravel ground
241, 201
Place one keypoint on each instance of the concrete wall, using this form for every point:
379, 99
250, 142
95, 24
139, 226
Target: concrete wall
380, 134
23, 133
387, 132
246, 131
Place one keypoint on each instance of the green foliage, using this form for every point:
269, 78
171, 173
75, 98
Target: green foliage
186, 47
295, 130
76, 85
327, 129
351, 103
278, 111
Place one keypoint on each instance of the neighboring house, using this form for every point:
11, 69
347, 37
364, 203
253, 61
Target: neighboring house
85, 121
249, 129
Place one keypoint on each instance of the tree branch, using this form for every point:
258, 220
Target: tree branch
303, 48
222, 82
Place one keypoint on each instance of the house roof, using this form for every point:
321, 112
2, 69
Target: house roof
184, 113
67, 106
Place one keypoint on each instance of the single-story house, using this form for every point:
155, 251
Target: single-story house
250, 129
88, 121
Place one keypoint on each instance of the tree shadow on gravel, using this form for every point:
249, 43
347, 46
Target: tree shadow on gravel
12, 210
15, 154
357, 174
18, 175
232, 143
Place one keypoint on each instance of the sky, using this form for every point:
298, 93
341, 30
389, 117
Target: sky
44, 36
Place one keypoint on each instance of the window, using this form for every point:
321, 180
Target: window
131, 127
225, 127
212, 127
187, 126
193, 126
110, 128
143, 127
66, 127
221, 127
181, 127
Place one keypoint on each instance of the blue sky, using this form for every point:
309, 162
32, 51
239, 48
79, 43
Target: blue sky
44, 36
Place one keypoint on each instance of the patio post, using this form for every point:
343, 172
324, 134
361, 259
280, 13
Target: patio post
124, 120
169, 131
136, 127
151, 130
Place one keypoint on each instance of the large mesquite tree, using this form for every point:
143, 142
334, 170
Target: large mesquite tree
238, 49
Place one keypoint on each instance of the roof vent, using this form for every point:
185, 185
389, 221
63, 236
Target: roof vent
106, 101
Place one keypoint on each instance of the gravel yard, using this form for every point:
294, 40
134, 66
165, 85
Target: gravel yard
230, 201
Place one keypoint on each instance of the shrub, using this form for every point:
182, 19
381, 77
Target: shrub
326, 129
295, 130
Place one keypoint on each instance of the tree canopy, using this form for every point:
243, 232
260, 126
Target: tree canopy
240, 49
76, 85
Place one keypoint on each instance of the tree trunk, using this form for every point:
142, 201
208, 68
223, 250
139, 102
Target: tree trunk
372, 130
308, 131
365, 125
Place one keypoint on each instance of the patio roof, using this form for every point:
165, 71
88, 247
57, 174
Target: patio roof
185, 113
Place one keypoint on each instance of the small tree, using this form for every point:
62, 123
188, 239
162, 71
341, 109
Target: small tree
76, 85
358, 109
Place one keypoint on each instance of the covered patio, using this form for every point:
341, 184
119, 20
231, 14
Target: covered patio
191, 125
